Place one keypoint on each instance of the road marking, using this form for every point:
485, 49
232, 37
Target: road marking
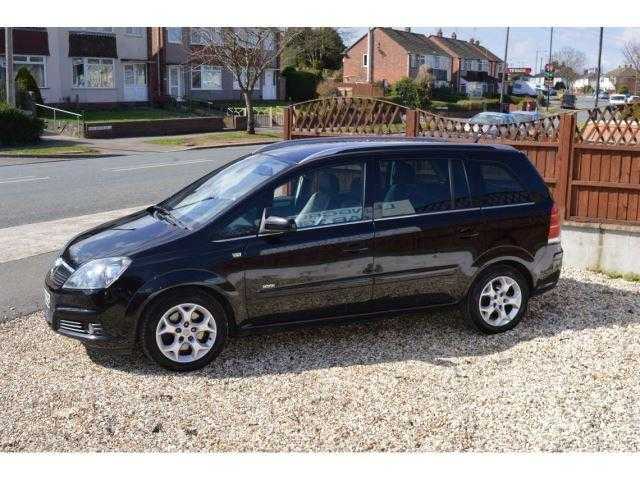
157, 165
26, 241
23, 179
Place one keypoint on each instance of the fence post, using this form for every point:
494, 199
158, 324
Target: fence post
566, 139
412, 123
286, 123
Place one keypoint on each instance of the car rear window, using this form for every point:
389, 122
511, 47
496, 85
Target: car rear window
493, 184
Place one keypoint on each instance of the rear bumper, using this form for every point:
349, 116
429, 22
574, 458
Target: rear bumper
547, 268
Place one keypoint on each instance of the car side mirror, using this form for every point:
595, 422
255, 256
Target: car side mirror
274, 224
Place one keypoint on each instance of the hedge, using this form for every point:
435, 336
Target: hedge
18, 128
300, 84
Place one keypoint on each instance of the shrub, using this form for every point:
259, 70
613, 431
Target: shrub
405, 92
447, 94
631, 112
25, 83
327, 88
622, 89
18, 128
300, 84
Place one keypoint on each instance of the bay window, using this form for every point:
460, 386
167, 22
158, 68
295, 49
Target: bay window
206, 77
34, 63
93, 73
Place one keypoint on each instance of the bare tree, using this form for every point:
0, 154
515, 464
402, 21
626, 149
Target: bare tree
631, 52
569, 63
246, 51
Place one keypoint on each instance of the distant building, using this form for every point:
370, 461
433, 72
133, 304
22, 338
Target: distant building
626, 76
589, 77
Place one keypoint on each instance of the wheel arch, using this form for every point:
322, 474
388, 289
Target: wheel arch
514, 262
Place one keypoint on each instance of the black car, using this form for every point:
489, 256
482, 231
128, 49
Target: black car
313, 231
568, 101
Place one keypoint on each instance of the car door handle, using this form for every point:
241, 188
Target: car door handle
355, 248
468, 233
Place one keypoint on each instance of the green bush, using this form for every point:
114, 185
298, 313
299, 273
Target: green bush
405, 92
25, 83
447, 94
622, 89
301, 84
18, 128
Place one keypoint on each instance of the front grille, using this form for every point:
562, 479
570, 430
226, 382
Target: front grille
59, 273
73, 327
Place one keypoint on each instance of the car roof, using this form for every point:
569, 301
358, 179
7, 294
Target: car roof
299, 151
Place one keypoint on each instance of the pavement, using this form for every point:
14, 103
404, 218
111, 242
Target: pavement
43, 205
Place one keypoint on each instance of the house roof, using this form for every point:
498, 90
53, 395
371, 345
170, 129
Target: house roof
623, 71
414, 42
461, 48
488, 54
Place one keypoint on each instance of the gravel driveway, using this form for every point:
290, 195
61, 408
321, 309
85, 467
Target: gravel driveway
566, 379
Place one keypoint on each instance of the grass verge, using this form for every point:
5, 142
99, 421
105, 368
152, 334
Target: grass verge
215, 139
41, 151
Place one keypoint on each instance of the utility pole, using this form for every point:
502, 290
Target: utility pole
8, 61
550, 53
599, 66
504, 71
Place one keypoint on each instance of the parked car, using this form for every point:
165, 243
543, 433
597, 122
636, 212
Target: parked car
489, 122
314, 231
633, 99
526, 116
520, 87
618, 99
604, 96
568, 101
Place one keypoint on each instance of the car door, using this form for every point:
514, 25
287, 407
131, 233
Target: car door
427, 232
323, 269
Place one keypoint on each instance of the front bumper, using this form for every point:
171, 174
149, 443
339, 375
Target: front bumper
95, 318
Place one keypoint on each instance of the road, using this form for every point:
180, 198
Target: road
43, 204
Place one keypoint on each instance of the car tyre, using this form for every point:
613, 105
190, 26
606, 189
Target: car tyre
184, 331
490, 305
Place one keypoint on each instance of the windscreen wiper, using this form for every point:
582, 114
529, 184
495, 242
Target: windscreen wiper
168, 216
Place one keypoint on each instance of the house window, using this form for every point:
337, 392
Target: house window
35, 65
197, 36
243, 77
423, 59
134, 31
365, 60
97, 29
93, 73
206, 77
174, 34
413, 60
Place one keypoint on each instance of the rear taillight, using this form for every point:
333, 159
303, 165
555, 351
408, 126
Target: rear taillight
554, 225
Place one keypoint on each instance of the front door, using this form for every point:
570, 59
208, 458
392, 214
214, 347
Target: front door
323, 269
426, 238
269, 85
135, 82
175, 82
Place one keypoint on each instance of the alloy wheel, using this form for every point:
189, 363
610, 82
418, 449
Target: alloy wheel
500, 301
186, 332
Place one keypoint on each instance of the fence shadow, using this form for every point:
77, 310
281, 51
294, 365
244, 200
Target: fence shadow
439, 337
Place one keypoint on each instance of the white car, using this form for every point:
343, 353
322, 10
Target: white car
617, 99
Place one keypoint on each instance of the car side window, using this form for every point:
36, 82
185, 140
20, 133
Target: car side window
412, 186
243, 223
461, 194
326, 195
493, 184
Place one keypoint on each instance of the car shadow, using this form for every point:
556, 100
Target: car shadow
439, 337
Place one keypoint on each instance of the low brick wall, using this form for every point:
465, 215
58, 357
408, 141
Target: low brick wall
151, 128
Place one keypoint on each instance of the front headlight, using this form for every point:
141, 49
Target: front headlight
97, 274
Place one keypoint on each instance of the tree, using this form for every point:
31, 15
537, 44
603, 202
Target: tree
569, 63
315, 48
25, 83
246, 51
631, 52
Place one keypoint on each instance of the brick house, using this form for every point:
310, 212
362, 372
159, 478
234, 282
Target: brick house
386, 55
626, 76
169, 53
475, 71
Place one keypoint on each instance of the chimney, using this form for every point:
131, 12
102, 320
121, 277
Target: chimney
454, 36
439, 32
407, 29
471, 41
478, 42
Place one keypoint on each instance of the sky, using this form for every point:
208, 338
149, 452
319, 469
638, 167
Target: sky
524, 41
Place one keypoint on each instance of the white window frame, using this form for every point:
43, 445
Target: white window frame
28, 60
208, 67
85, 63
134, 31
198, 41
169, 30
365, 59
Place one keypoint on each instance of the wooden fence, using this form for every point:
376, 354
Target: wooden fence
592, 170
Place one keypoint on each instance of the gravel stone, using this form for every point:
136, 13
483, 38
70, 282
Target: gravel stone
566, 379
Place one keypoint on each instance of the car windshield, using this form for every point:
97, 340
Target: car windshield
491, 118
201, 201
618, 97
